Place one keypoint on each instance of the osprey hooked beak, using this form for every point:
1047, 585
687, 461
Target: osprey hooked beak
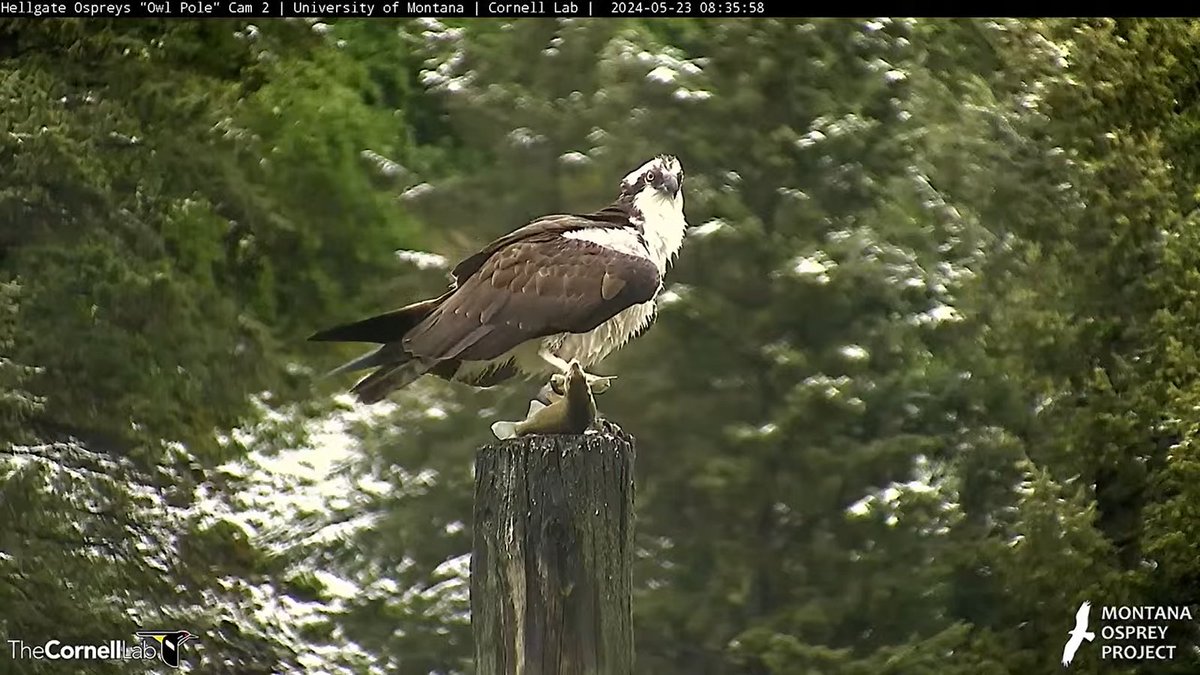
670, 184
667, 175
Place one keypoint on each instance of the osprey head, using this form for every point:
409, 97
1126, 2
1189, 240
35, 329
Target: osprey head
663, 173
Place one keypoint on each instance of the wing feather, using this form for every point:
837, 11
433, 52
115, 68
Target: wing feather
529, 289
466, 341
611, 285
613, 215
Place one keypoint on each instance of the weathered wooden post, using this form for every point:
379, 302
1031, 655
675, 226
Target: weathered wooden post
551, 578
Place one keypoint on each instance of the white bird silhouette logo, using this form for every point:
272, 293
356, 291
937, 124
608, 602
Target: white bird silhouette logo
1078, 634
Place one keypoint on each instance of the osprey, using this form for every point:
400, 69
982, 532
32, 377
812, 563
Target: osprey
563, 288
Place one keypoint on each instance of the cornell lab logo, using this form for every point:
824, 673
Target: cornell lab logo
169, 643
163, 645
1126, 633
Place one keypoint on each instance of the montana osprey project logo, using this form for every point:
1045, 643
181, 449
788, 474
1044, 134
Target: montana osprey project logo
1078, 634
1129, 632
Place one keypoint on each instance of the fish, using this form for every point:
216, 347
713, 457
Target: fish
571, 408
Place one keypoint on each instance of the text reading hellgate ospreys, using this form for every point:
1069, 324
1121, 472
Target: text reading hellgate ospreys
318, 9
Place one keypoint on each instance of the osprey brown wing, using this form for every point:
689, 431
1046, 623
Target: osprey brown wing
537, 286
615, 214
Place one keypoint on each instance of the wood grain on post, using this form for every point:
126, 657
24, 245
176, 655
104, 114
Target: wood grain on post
551, 578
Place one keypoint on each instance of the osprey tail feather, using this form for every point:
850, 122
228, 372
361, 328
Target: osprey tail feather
396, 368
381, 328
376, 386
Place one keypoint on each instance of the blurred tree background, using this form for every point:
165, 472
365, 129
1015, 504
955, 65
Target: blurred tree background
925, 376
